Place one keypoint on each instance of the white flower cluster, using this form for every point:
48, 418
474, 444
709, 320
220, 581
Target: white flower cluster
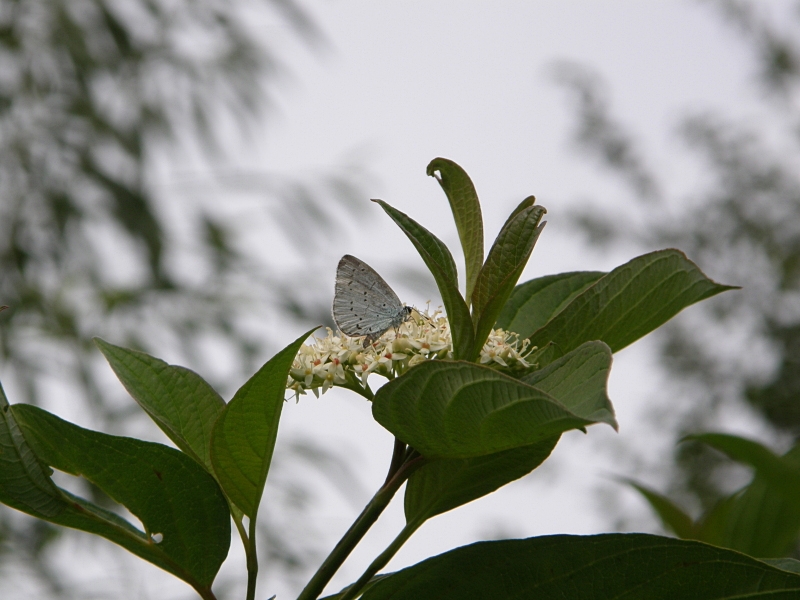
341, 360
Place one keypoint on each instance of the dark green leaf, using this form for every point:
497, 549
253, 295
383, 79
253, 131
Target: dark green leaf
181, 403
672, 517
535, 302
445, 484
785, 564
171, 494
243, 438
463, 410
757, 521
602, 567
467, 214
441, 265
629, 302
504, 264
25, 483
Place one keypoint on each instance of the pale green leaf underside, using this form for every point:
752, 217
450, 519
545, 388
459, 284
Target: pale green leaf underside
462, 410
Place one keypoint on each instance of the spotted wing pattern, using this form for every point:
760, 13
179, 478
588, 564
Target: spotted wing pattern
364, 304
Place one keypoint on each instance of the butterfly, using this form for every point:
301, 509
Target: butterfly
363, 303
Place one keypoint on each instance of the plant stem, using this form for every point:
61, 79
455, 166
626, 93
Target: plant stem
206, 594
381, 561
358, 529
242, 533
252, 561
398, 457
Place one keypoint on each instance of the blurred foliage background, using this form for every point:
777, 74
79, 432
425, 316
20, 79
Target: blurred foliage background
737, 356
94, 96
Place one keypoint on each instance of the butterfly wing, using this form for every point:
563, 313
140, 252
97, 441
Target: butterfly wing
363, 303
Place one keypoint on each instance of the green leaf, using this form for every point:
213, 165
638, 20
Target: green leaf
467, 214
601, 567
441, 265
628, 303
445, 484
244, 436
780, 472
181, 403
526, 203
500, 273
785, 564
167, 491
535, 302
672, 517
763, 518
25, 483
459, 409
579, 382
756, 521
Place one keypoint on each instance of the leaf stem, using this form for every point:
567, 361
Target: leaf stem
360, 526
398, 457
252, 561
206, 594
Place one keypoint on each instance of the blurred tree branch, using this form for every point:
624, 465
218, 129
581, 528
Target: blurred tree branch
90, 92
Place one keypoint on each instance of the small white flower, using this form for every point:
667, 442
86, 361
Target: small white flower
327, 361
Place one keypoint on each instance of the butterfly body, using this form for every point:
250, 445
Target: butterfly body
363, 303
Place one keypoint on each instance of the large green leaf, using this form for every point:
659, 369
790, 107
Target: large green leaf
629, 302
504, 264
463, 410
535, 302
443, 268
181, 403
445, 484
244, 436
602, 567
171, 494
577, 381
467, 214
